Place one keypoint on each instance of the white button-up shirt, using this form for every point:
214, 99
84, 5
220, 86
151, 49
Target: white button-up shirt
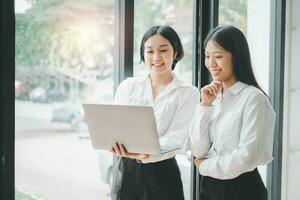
173, 108
235, 134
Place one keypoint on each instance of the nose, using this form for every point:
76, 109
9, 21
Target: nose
212, 63
156, 55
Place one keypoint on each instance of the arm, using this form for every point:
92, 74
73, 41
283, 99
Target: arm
121, 94
258, 120
177, 133
199, 131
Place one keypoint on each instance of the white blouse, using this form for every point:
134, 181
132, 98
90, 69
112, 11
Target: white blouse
174, 109
234, 134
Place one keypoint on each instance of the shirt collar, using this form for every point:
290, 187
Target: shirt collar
233, 90
175, 83
237, 87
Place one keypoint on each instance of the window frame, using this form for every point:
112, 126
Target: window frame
276, 82
7, 91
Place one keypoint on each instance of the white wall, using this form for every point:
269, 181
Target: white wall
258, 36
291, 134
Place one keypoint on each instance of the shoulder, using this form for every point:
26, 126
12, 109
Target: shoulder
188, 93
256, 96
125, 88
188, 89
193, 91
254, 93
129, 83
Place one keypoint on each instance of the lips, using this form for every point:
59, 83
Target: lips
158, 64
215, 71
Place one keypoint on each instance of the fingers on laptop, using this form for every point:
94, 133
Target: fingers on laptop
116, 149
119, 150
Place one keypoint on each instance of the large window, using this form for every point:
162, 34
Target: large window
64, 57
253, 18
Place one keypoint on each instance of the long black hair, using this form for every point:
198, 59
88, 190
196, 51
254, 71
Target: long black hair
234, 41
168, 33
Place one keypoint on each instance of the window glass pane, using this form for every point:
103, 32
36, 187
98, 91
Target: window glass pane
64, 57
179, 15
253, 18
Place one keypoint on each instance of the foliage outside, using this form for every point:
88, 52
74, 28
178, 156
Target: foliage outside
21, 195
54, 34
234, 12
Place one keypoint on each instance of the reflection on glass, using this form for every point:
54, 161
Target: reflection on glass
64, 57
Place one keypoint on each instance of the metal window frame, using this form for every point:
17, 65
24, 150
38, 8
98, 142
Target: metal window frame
7, 108
276, 82
205, 18
123, 55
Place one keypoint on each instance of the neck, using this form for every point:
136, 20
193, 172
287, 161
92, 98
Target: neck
227, 84
157, 80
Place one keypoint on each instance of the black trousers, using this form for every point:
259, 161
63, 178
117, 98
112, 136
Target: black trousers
248, 186
152, 181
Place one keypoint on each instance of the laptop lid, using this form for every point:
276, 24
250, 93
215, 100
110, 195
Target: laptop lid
133, 126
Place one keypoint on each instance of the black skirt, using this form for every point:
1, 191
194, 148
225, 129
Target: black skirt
248, 186
151, 181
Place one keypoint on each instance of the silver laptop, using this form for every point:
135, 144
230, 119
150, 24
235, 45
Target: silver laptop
132, 126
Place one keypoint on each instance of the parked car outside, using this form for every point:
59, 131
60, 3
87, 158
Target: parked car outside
56, 94
38, 95
72, 114
22, 90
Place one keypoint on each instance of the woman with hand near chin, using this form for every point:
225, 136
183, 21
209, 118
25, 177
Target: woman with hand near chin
232, 132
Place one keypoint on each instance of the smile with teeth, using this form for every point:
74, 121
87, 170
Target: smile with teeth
158, 64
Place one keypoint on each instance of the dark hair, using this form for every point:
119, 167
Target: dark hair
168, 33
233, 40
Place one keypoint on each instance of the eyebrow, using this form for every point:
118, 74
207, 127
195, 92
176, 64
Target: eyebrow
163, 45
214, 52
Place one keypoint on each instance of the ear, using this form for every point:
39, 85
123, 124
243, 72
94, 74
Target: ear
175, 54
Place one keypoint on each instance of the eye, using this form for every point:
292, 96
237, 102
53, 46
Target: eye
206, 56
219, 56
164, 50
149, 52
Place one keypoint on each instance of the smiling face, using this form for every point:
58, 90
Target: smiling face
159, 55
219, 63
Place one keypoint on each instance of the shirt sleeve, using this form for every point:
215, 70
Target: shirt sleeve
177, 134
199, 131
258, 119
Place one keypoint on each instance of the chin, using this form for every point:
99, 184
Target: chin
162, 71
217, 78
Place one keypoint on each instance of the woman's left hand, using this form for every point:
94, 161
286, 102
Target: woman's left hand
119, 150
198, 161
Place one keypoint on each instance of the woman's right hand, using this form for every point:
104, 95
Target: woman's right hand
119, 150
210, 92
